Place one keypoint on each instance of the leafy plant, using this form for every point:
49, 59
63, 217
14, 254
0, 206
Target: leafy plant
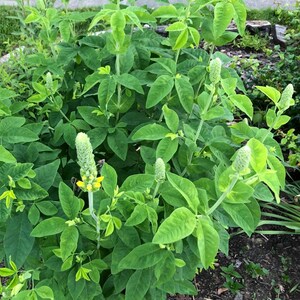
233, 279
177, 169
256, 270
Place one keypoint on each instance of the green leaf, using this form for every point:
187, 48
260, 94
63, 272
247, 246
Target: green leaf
138, 183
45, 175
240, 15
138, 215
138, 284
33, 215
160, 88
118, 22
169, 11
6, 272
185, 93
34, 193
97, 136
165, 270
171, 118
131, 82
47, 208
118, 143
229, 85
6, 156
68, 241
17, 242
194, 33
7, 94
276, 165
271, 118
64, 29
241, 215
142, 257
166, 149
106, 90
243, 103
75, 287
181, 40
69, 203
110, 179
177, 26
223, 14
259, 154
270, 92
151, 132
269, 177
180, 224
263, 193
240, 193
186, 189
282, 120
208, 242
48, 227
45, 292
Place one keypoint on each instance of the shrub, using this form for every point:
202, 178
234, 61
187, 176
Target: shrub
177, 170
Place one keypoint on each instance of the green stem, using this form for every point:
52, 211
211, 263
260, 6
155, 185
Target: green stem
177, 55
224, 195
119, 89
93, 215
156, 189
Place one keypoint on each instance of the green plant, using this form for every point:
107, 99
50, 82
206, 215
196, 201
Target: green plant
252, 41
233, 279
178, 172
256, 270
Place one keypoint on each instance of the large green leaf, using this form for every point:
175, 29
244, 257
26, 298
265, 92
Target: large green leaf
118, 22
240, 15
208, 242
276, 165
138, 284
171, 118
110, 179
186, 189
138, 215
6, 156
185, 93
241, 215
270, 178
137, 183
243, 103
142, 257
106, 90
131, 82
34, 193
259, 154
161, 87
17, 240
180, 224
223, 14
151, 132
270, 92
165, 270
118, 143
166, 149
68, 241
69, 203
48, 227
45, 175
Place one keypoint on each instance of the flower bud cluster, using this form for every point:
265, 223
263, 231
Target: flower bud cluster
160, 170
242, 159
88, 170
215, 70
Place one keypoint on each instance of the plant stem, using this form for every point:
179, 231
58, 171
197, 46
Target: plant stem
119, 90
224, 195
91, 209
155, 190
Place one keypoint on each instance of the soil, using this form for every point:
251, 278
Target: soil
278, 255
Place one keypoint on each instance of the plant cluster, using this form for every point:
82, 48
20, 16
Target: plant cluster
125, 156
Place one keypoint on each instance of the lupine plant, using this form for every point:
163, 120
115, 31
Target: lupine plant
126, 166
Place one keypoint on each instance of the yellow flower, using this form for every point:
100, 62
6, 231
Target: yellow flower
89, 187
80, 184
99, 179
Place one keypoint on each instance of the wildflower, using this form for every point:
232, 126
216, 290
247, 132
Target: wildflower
88, 169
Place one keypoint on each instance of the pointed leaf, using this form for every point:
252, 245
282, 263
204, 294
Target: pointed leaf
69, 203
180, 224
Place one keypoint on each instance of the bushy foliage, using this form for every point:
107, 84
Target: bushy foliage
178, 170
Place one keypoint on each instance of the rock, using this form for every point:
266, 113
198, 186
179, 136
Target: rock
278, 33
